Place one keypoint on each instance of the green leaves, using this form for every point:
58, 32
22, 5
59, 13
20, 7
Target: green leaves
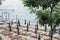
58, 21
30, 3
43, 3
32, 10
43, 16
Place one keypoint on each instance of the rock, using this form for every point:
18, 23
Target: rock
34, 35
46, 38
16, 37
6, 33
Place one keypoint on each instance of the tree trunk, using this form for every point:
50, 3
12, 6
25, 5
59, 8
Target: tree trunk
45, 27
51, 32
59, 31
27, 27
54, 29
51, 7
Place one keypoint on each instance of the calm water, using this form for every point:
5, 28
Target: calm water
23, 16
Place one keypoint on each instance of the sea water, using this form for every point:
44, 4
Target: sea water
17, 15
23, 16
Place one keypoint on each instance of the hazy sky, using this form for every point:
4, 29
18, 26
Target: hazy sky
19, 8
14, 4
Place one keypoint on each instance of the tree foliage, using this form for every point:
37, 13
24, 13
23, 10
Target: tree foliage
43, 3
44, 15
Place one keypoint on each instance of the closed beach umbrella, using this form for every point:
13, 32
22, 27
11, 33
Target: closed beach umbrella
39, 37
37, 25
17, 29
27, 27
35, 29
25, 22
29, 22
18, 23
11, 22
10, 27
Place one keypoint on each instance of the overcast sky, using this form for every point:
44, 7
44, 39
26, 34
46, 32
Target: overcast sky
19, 8
14, 4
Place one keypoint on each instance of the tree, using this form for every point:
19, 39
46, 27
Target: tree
43, 17
57, 15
